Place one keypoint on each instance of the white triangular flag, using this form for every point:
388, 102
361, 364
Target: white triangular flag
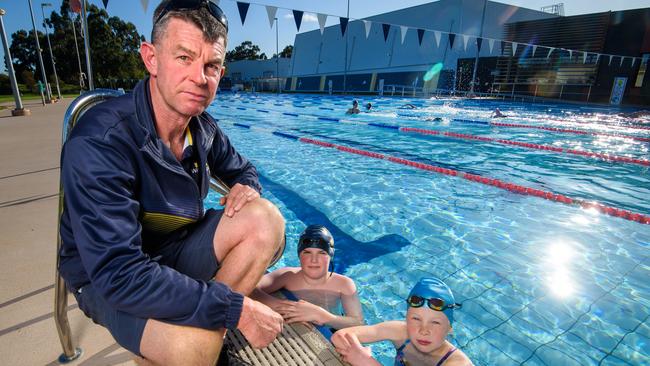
491, 44
597, 57
622, 59
534, 49
610, 59
584, 57
368, 25
550, 50
514, 48
322, 18
465, 40
270, 11
403, 29
145, 3
570, 55
436, 35
633, 61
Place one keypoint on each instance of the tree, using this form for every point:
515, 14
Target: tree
114, 47
287, 51
245, 51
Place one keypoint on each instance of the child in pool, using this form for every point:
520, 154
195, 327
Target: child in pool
322, 293
420, 340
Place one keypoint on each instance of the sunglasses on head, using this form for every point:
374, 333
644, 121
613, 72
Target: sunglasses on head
435, 303
214, 9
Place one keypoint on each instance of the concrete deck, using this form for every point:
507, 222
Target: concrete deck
29, 183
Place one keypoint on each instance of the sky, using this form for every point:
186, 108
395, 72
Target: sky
257, 28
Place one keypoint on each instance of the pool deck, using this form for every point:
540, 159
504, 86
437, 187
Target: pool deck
29, 184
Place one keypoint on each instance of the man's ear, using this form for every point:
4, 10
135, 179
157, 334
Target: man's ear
148, 54
223, 72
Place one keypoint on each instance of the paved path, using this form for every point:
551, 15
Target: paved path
29, 185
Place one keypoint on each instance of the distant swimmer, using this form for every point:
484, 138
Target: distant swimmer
433, 119
636, 114
354, 109
368, 107
408, 106
497, 114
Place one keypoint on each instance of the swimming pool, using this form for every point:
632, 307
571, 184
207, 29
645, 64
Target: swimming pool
542, 282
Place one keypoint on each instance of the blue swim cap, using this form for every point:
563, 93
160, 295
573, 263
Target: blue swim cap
316, 236
432, 288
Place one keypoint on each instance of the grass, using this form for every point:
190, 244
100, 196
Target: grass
30, 96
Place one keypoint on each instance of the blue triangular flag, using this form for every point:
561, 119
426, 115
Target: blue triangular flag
479, 41
420, 36
344, 25
243, 9
297, 16
451, 40
105, 3
386, 28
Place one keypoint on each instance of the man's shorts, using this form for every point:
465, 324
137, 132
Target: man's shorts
190, 251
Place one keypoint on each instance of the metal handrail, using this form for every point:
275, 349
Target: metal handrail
78, 107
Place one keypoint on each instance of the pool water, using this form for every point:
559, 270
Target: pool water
541, 282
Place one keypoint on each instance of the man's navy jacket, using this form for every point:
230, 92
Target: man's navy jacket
123, 187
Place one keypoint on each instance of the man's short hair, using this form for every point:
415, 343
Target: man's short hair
212, 29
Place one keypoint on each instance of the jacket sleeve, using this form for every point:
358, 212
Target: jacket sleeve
230, 166
99, 184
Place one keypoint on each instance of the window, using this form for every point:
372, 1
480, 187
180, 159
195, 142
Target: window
639, 77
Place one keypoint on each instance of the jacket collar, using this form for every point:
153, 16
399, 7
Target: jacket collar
145, 129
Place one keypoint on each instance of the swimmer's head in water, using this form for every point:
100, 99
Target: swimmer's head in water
368, 106
434, 294
355, 103
316, 236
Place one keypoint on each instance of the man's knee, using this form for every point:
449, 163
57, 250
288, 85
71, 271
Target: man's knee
267, 224
166, 344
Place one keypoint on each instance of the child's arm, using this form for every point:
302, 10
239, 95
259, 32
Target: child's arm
347, 341
351, 307
270, 283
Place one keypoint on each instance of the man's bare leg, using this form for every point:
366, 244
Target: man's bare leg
244, 246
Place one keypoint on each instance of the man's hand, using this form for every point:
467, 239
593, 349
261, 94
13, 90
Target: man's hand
258, 323
239, 196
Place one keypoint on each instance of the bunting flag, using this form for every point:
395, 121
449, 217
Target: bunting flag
479, 42
243, 10
297, 16
271, 11
145, 4
514, 48
503, 47
322, 18
491, 44
584, 57
465, 40
75, 6
367, 24
534, 49
550, 50
622, 59
570, 55
633, 61
344, 25
105, 3
386, 28
597, 58
403, 29
610, 59
420, 36
437, 36
452, 37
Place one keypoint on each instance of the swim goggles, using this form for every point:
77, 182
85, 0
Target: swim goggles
435, 303
212, 6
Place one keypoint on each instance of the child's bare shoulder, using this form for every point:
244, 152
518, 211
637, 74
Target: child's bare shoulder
344, 283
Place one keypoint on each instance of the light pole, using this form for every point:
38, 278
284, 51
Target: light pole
277, 54
47, 35
345, 63
76, 48
84, 14
19, 111
48, 96
477, 50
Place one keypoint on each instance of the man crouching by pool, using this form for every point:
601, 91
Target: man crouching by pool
139, 252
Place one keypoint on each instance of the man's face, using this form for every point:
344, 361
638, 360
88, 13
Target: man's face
187, 68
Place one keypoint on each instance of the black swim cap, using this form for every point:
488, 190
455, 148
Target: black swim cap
316, 236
